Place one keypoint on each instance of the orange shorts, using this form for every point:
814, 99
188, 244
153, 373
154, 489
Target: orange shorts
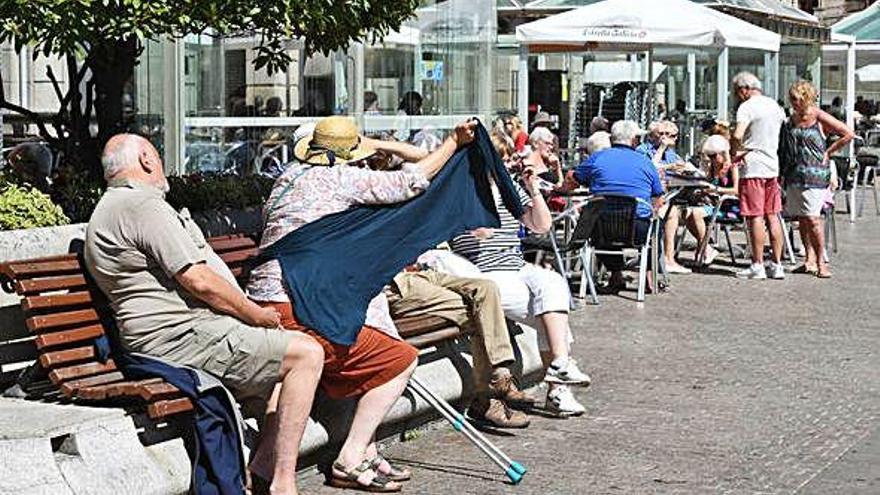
349, 371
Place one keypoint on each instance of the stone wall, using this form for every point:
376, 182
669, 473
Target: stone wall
831, 11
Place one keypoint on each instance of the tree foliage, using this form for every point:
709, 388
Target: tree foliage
72, 27
101, 40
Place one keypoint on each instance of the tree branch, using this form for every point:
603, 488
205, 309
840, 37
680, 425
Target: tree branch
34, 117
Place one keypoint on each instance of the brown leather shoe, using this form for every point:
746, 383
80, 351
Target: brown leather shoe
494, 412
503, 386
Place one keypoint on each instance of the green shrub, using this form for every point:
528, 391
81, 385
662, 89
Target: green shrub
217, 192
78, 194
75, 197
24, 207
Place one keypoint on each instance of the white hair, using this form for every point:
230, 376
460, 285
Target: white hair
716, 144
746, 80
541, 134
625, 132
598, 141
120, 156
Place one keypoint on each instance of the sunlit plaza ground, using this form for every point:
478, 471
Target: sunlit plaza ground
718, 386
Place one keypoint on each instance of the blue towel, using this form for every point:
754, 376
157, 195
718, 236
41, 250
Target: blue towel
216, 454
337, 264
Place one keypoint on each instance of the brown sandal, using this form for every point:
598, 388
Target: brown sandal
824, 273
809, 270
349, 479
396, 473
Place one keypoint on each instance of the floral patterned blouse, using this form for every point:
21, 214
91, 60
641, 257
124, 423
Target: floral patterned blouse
306, 193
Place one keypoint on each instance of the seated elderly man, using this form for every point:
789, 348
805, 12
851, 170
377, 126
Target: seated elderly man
173, 298
659, 147
622, 170
331, 177
477, 303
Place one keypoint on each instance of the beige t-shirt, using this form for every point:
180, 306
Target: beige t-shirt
135, 244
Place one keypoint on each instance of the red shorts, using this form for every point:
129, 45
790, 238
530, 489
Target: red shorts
350, 371
759, 197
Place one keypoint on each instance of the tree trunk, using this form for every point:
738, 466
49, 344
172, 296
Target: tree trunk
112, 65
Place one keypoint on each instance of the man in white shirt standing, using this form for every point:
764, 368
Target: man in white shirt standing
756, 139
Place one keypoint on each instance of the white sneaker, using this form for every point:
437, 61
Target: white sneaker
775, 271
567, 374
561, 402
711, 254
755, 272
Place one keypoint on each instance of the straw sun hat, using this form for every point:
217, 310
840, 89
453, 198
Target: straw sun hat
334, 140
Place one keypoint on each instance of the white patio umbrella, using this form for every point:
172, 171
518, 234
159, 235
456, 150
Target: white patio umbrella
638, 25
869, 73
615, 24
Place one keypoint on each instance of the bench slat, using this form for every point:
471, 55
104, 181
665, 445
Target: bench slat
31, 269
41, 323
69, 388
31, 303
224, 244
6, 267
69, 336
238, 256
156, 391
60, 375
162, 408
53, 359
37, 285
121, 389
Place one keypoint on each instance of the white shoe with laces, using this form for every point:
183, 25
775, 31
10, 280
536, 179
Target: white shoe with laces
775, 271
561, 402
566, 374
754, 272
711, 254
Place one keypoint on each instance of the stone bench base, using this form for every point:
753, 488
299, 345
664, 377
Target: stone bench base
70, 449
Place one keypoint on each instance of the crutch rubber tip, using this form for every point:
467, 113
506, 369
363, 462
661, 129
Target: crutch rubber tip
458, 423
514, 476
519, 468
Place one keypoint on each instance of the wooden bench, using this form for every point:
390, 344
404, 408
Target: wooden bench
65, 314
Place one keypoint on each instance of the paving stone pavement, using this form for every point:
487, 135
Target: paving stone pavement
719, 386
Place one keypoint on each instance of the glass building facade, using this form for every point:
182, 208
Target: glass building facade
207, 108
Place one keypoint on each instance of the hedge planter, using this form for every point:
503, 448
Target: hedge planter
50, 241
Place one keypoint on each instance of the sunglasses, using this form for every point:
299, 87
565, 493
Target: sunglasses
669, 134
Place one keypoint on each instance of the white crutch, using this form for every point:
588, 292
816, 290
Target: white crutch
512, 469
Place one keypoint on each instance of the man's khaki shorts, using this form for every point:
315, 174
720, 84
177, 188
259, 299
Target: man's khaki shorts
246, 359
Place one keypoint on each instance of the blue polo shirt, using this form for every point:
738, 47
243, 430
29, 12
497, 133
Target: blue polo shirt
621, 170
649, 149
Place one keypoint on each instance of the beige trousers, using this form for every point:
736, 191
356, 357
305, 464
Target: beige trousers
462, 301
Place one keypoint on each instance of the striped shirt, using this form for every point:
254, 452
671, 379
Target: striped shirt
501, 251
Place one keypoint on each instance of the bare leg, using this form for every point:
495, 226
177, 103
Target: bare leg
756, 231
817, 243
669, 231
777, 239
371, 410
696, 224
288, 413
556, 327
805, 230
